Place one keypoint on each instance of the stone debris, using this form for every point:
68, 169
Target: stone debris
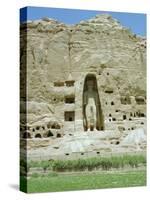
135, 137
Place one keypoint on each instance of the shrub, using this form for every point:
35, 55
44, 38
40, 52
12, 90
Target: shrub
45, 165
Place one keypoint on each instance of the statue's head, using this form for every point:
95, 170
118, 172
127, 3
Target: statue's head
90, 84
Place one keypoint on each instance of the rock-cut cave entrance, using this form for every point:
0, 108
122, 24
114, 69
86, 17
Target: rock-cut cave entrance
92, 112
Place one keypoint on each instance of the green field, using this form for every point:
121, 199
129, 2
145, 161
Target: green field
61, 182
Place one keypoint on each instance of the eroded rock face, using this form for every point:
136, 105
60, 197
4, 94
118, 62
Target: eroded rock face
55, 61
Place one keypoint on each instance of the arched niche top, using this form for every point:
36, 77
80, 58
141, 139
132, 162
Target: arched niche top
90, 77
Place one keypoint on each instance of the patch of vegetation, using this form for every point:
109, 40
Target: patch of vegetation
35, 175
52, 174
104, 163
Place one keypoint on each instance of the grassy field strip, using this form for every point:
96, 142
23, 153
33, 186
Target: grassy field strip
87, 181
89, 173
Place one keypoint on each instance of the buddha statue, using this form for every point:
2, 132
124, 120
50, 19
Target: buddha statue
90, 103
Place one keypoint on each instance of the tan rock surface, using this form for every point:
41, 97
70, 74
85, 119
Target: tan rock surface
57, 55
